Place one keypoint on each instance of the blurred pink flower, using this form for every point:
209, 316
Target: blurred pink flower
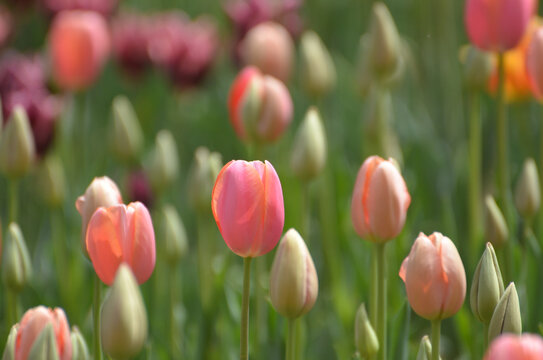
104, 7
515, 347
139, 188
130, 34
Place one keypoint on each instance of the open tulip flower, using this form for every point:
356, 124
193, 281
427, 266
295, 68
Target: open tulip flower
122, 234
514, 347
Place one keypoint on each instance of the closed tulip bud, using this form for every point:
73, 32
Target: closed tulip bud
380, 200
52, 181
293, 279
365, 338
17, 268
425, 349
174, 234
527, 195
487, 286
164, 167
309, 152
363, 71
45, 345
123, 317
496, 230
127, 138
434, 277
9, 350
80, 351
506, 317
17, 150
79, 45
498, 25
247, 203
318, 71
102, 192
478, 67
385, 43
513, 347
534, 57
269, 47
122, 234
202, 175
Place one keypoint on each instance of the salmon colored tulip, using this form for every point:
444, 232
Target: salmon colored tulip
247, 203
31, 325
79, 45
434, 277
534, 59
122, 234
515, 347
260, 106
497, 25
380, 200
101, 192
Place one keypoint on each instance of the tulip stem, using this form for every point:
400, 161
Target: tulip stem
306, 211
244, 341
436, 334
475, 149
96, 318
541, 177
13, 200
173, 326
485, 336
381, 300
291, 340
11, 308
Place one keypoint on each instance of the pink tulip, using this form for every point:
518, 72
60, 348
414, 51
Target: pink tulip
31, 325
434, 277
515, 347
498, 25
122, 234
260, 106
534, 59
247, 203
79, 42
380, 200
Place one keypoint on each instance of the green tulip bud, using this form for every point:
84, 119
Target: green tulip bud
365, 338
318, 71
9, 351
123, 317
252, 106
478, 66
385, 42
164, 167
127, 136
506, 317
17, 268
364, 72
527, 195
496, 230
45, 345
425, 349
174, 234
487, 286
52, 181
202, 176
17, 149
309, 152
80, 351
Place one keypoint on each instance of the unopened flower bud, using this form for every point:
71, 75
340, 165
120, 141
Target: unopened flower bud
365, 338
385, 43
527, 195
164, 166
9, 351
202, 176
496, 230
123, 317
80, 351
309, 152
318, 71
174, 234
487, 286
293, 280
506, 317
52, 181
45, 345
17, 268
127, 138
17, 149
478, 67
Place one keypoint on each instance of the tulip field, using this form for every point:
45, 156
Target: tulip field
271, 179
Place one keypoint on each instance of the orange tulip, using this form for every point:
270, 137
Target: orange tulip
122, 234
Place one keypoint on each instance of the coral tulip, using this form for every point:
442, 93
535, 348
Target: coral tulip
247, 203
434, 277
380, 200
79, 42
33, 323
497, 25
122, 234
514, 347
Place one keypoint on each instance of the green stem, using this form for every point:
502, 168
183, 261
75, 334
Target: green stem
174, 337
381, 300
305, 211
475, 149
96, 318
436, 334
244, 342
291, 340
485, 336
373, 287
13, 200
11, 309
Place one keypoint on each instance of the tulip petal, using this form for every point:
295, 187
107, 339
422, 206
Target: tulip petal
140, 254
237, 93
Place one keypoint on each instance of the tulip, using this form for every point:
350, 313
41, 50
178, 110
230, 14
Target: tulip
506, 317
534, 58
101, 192
318, 71
260, 106
496, 230
120, 234
17, 150
527, 195
380, 200
80, 350
127, 138
34, 323
434, 277
513, 347
174, 234
138, 188
425, 349
497, 25
478, 66
365, 338
79, 43
16, 268
247, 203
9, 350
164, 167
202, 175
385, 43
53, 181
